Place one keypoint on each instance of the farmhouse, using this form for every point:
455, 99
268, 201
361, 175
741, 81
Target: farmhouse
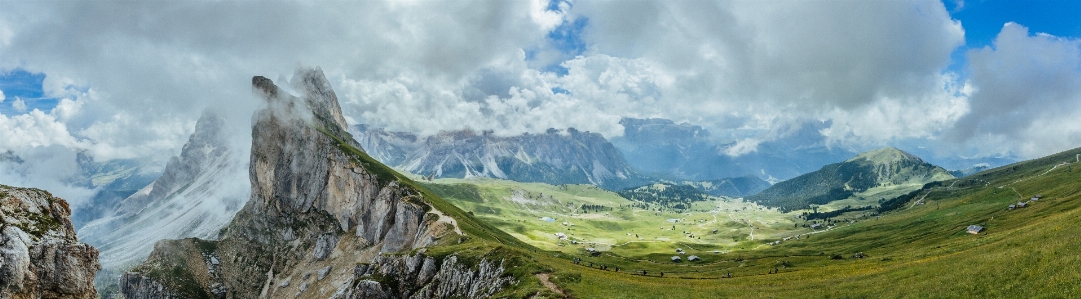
974, 229
1022, 204
693, 258
676, 259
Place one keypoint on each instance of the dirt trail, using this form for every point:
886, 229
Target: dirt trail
548, 283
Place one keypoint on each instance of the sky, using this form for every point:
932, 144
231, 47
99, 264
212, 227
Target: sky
128, 79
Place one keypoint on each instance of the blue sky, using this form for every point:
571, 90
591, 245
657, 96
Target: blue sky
20, 84
983, 20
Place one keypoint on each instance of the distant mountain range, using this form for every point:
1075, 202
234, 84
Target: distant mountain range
881, 168
691, 153
554, 157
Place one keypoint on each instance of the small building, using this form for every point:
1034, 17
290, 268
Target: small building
676, 259
974, 229
1021, 204
693, 258
1012, 206
816, 226
561, 236
591, 249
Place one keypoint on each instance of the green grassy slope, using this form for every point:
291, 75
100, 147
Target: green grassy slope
591, 217
877, 174
917, 251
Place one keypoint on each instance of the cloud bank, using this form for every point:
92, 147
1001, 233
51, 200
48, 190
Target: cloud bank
135, 75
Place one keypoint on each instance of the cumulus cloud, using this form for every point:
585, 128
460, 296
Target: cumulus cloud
19, 105
136, 76
2, 97
1026, 93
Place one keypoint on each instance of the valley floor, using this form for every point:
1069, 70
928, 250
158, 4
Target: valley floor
918, 251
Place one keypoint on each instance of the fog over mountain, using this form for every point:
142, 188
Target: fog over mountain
849, 76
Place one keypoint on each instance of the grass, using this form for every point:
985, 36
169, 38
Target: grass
630, 230
918, 251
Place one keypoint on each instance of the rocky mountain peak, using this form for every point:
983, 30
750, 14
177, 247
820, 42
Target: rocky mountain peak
198, 193
204, 146
317, 204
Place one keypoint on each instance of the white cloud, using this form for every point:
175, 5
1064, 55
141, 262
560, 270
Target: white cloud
743, 147
47, 167
137, 75
546, 19
2, 97
1026, 94
19, 105
35, 129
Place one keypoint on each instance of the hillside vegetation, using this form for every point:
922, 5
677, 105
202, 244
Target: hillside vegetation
868, 175
922, 246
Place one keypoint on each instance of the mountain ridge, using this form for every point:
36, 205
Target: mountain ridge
556, 156
884, 167
320, 204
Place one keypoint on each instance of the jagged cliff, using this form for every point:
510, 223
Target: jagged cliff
198, 193
40, 256
319, 207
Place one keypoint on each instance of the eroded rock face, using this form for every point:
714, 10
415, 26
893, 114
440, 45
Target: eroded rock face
40, 256
420, 276
318, 207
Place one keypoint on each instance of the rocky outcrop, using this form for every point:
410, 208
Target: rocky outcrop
420, 276
319, 206
40, 256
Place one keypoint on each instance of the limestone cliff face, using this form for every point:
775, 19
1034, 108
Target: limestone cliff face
318, 207
40, 256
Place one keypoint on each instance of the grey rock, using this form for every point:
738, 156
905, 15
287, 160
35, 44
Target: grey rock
418, 276
323, 272
40, 256
135, 285
323, 246
309, 190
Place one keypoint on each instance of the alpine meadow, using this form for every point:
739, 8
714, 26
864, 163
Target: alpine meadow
540, 149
